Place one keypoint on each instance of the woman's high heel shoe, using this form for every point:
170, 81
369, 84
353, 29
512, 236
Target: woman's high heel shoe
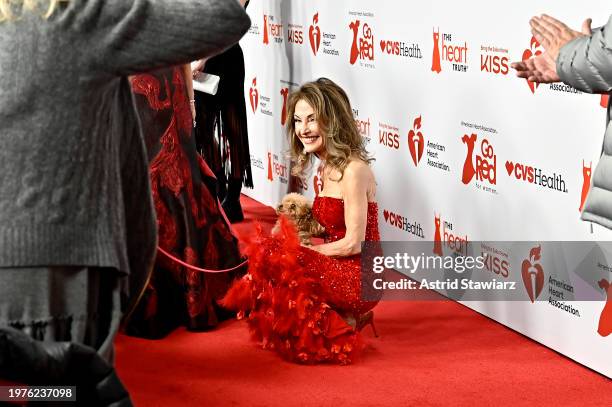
366, 319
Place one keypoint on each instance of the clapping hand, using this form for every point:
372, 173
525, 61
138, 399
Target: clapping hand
552, 34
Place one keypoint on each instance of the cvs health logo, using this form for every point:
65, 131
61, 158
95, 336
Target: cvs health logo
363, 45
254, 95
314, 34
533, 274
482, 165
401, 222
416, 142
533, 51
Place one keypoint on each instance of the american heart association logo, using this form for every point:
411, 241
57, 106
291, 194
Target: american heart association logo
416, 143
315, 34
254, 95
531, 52
533, 274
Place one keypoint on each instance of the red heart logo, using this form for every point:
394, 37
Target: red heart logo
416, 145
383, 45
386, 214
532, 273
509, 167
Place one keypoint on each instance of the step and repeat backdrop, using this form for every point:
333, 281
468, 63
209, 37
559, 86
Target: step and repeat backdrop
465, 151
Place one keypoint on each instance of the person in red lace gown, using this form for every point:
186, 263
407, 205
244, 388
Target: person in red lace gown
192, 226
309, 303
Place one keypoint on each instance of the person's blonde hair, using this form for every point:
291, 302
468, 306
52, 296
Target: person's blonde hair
341, 138
12, 9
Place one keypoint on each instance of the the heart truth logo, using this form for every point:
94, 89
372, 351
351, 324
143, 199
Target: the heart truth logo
362, 47
444, 50
532, 51
447, 237
605, 319
533, 274
416, 141
271, 30
314, 33
254, 95
586, 183
284, 93
485, 167
277, 169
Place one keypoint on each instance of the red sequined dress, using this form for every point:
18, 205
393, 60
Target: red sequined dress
296, 300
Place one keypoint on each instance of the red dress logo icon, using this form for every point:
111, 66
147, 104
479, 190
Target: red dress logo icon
284, 92
254, 95
270, 167
318, 180
586, 183
437, 237
528, 53
266, 40
468, 165
604, 101
416, 143
605, 320
315, 35
533, 274
354, 48
435, 60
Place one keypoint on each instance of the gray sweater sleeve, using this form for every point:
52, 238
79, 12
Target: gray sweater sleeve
586, 62
125, 37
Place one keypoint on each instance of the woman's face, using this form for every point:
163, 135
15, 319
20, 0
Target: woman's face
307, 128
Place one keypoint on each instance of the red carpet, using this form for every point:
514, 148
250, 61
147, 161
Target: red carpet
428, 354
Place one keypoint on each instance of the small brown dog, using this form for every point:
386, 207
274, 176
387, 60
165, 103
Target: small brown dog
297, 208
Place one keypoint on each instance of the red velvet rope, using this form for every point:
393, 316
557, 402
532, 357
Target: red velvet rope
181, 262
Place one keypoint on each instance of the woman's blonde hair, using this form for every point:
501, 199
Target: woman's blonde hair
341, 138
12, 9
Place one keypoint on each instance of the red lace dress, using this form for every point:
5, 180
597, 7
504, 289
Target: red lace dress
295, 298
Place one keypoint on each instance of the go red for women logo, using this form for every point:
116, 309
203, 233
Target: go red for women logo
363, 45
532, 51
314, 34
533, 274
416, 141
483, 165
254, 95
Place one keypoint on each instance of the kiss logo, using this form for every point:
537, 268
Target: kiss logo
486, 162
254, 95
402, 223
536, 176
271, 30
388, 136
533, 274
314, 34
605, 320
362, 47
532, 51
295, 34
416, 141
284, 93
586, 183
492, 62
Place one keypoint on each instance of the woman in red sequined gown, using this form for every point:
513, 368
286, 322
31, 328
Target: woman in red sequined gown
192, 226
309, 303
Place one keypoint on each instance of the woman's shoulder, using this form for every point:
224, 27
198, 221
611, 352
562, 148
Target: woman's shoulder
357, 168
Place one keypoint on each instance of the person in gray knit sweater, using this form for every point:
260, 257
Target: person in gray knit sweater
77, 225
582, 60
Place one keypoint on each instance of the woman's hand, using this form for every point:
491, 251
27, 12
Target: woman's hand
197, 67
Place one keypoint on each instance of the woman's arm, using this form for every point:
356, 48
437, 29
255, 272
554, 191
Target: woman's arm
187, 76
355, 184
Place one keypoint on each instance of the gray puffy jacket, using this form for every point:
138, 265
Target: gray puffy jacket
586, 64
